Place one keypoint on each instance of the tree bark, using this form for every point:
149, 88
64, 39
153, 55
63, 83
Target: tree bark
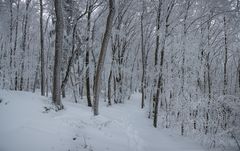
42, 50
225, 57
11, 33
25, 25
87, 54
156, 82
15, 48
160, 76
102, 55
143, 59
56, 97
109, 88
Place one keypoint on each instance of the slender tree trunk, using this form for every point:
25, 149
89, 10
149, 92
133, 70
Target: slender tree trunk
225, 57
87, 54
10, 41
156, 81
42, 50
143, 60
15, 48
182, 92
24, 44
56, 97
238, 73
208, 60
207, 74
109, 88
102, 55
160, 76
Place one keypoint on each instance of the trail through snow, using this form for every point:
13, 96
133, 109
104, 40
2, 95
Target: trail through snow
25, 125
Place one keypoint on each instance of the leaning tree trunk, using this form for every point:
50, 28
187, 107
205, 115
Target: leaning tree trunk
56, 96
102, 55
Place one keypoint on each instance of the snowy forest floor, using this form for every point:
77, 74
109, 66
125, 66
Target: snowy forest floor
26, 124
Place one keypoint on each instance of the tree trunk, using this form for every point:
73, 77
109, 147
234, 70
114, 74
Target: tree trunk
10, 40
42, 51
25, 25
56, 97
15, 48
87, 55
102, 55
225, 57
160, 76
143, 60
109, 88
156, 82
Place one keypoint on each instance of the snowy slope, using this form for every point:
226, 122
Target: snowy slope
26, 126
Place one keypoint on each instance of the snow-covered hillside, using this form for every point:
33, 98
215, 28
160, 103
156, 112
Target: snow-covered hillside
26, 124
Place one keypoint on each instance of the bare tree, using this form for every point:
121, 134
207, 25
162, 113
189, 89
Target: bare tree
15, 47
103, 50
143, 58
56, 96
225, 56
160, 81
87, 54
42, 50
24, 41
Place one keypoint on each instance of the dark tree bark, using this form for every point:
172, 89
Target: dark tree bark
87, 76
225, 57
56, 97
156, 60
109, 88
143, 59
160, 76
157, 82
42, 50
15, 47
11, 32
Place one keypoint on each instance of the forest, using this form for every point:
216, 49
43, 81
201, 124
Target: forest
181, 57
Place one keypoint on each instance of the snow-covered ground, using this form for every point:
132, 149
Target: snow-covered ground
25, 125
